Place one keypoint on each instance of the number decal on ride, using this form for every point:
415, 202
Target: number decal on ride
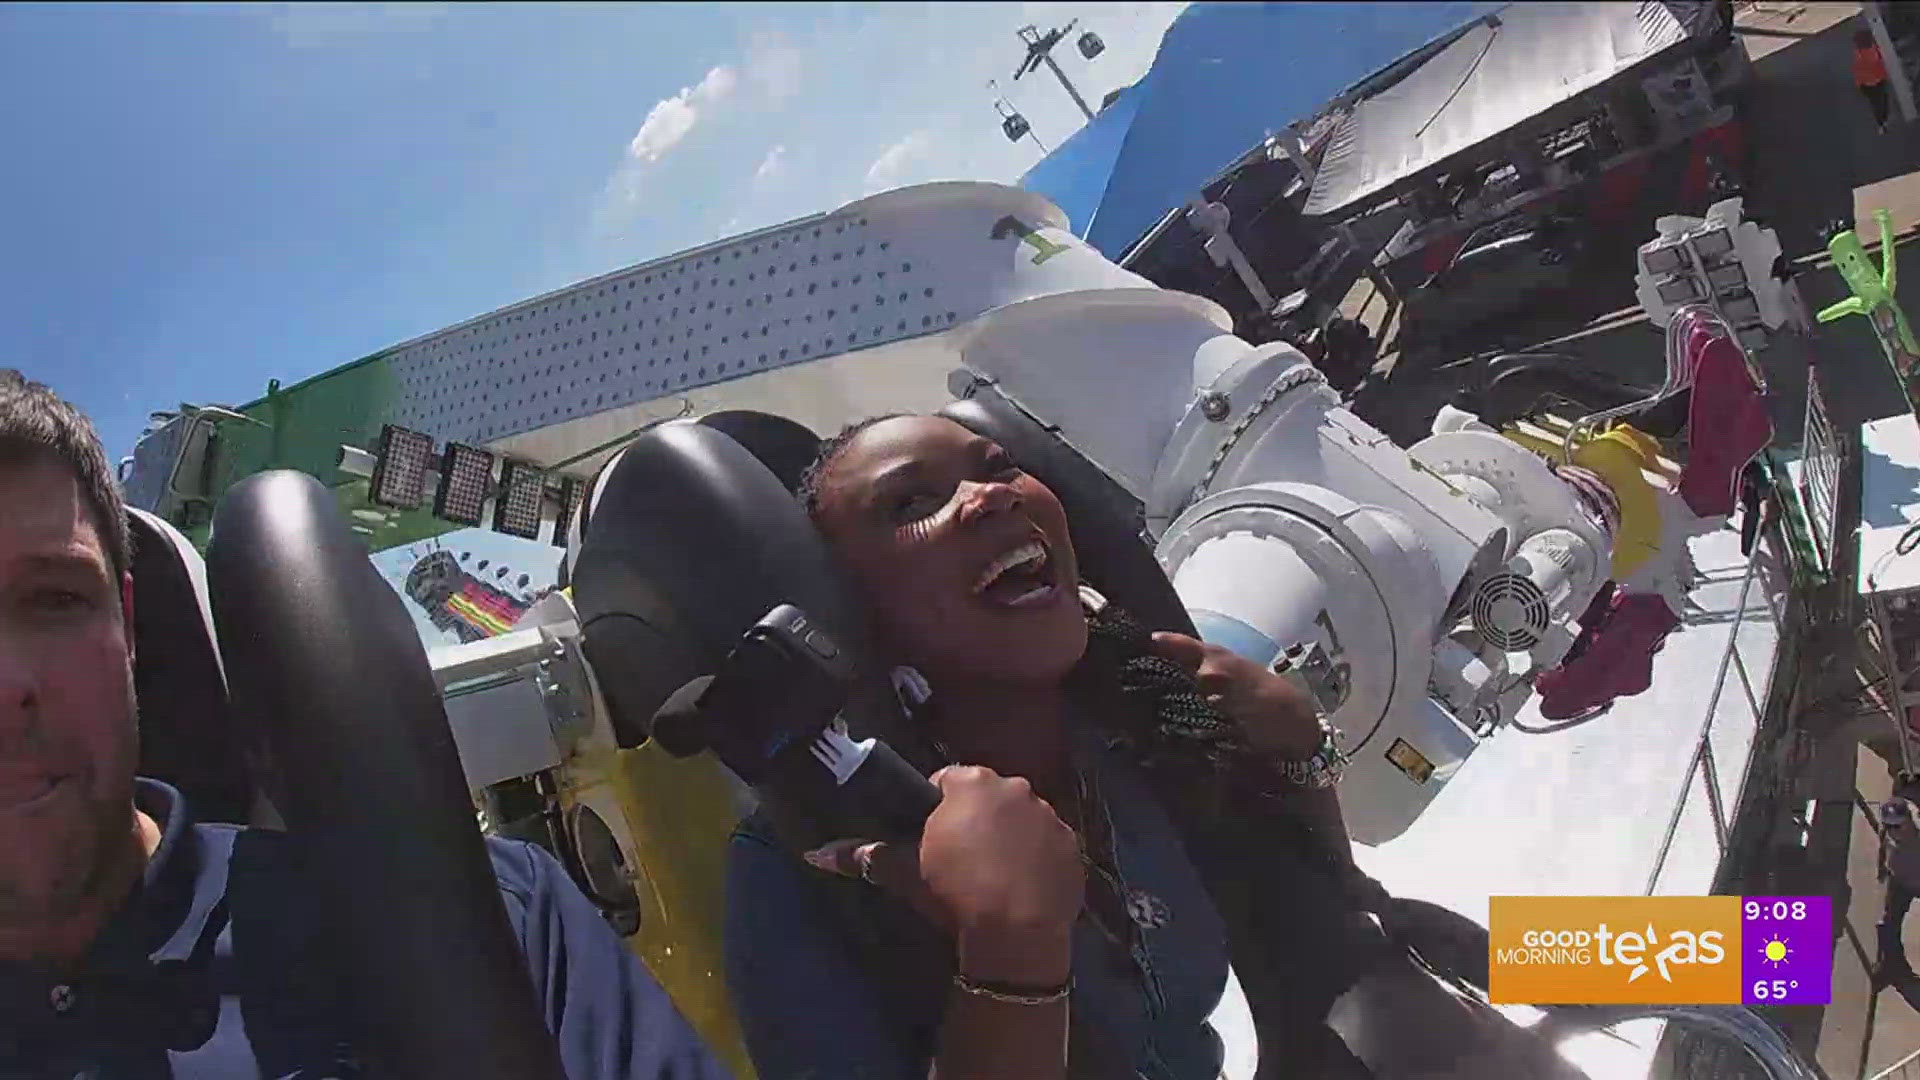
1044, 248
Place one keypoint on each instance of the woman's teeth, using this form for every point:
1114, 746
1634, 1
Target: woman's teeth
1028, 556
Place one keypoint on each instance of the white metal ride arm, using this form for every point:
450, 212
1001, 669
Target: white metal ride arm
1433, 582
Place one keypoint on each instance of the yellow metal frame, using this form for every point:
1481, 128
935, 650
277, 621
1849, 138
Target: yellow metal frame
1622, 456
678, 815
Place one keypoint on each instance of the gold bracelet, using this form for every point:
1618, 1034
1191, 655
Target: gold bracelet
1012, 995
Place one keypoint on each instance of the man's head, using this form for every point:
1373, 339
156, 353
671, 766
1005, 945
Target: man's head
68, 739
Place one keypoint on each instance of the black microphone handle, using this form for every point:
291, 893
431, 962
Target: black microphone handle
887, 797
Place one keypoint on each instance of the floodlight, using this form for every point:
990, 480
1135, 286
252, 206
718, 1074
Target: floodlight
1741, 310
573, 491
466, 481
1727, 278
400, 468
1662, 260
1713, 245
1678, 290
522, 489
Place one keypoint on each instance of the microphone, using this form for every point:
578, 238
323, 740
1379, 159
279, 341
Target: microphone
772, 714
677, 723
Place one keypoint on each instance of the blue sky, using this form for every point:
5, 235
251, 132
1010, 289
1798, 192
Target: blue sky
204, 197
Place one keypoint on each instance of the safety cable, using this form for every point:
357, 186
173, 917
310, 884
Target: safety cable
1493, 34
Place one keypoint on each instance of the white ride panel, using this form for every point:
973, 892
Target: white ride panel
826, 320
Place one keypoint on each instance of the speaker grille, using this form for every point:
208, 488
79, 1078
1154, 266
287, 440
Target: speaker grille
1510, 612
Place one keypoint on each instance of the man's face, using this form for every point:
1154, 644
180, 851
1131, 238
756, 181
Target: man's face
68, 742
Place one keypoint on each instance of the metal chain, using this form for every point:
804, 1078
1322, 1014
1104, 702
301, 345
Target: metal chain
1299, 377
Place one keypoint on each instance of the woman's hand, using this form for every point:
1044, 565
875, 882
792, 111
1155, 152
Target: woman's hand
995, 866
1275, 715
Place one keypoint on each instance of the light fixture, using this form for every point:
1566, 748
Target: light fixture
1015, 126
1727, 277
573, 491
1741, 310
1091, 45
1662, 260
1678, 290
1713, 245
466, 481
522, 489
400, 469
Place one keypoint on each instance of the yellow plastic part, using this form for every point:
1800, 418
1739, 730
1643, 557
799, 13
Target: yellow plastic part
1621, 457
679, 813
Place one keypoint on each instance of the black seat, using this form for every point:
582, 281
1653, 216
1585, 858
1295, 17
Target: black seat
187, 733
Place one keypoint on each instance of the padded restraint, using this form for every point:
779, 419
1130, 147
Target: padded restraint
1109, 533
321, 655
693, 538
786, 447
187, 733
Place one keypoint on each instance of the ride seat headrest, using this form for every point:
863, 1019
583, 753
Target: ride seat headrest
693, 535
188, 737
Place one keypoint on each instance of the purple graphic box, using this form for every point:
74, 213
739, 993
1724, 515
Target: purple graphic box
1786, 950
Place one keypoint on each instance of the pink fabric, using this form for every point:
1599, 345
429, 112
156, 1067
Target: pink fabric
1617, 661
1727, 425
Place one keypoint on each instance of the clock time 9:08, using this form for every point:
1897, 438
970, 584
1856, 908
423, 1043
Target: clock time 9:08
1778, 910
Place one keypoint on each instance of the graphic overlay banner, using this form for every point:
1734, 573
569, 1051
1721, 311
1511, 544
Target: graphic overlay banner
1661, 950
1786, 950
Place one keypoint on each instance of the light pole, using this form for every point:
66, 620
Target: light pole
1040, 51
1874, 13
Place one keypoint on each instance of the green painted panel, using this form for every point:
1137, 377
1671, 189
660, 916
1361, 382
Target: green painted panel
308, 422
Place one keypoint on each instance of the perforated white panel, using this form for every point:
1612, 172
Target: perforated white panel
902, 265
789, 297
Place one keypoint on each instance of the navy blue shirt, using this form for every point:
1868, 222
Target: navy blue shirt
214, 969
781, 935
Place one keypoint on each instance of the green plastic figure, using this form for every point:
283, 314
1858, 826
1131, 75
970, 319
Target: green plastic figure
1873, 297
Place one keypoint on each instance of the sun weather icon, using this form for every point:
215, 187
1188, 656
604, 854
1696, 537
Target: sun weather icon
1775, 951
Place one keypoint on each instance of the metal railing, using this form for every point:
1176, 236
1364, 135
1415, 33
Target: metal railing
1907, 1068
1820, 473
1703, 761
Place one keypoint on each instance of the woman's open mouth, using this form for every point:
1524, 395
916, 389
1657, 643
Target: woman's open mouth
1020, 577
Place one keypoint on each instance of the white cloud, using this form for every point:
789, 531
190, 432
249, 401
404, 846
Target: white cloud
774, 65
814, 106
719, 82
773, 166
894, 162
672, 118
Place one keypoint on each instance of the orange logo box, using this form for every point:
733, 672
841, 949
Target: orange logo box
1615, 950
